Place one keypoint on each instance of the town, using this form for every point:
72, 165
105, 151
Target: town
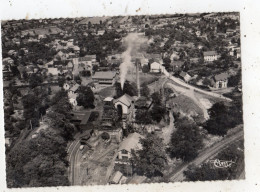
122, 99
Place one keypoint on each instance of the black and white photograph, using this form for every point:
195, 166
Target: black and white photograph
123, 99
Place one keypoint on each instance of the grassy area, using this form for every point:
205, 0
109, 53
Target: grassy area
186, 105
211, 99
107, 92
156, 85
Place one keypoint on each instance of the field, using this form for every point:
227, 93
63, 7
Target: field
186, 105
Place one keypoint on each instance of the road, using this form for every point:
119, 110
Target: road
182, 83
178, 175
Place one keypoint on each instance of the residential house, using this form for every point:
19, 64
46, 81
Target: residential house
144, 61
92, 57
41, 36
8, 61
222, 35
25, 50
12, 52
154, 57
7, 73
210, 56
104, 77
85, 64
156, 67
76, 50
73, 101
69, 66
174, 56
101, 32
194, 60
143, 103
72, 92
185, 76
108, 101
220, 80
72, 55
130, 143
54, 72
118, 178
61, 56
230, 31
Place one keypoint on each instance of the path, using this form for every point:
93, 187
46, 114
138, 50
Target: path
168, 130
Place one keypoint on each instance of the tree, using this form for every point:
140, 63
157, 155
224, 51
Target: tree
205, 173
58, 116
206, 82
85, 73
167, 62
143, 117
186, 141
58, 96
234, 80
129, 88
146, 26
61, 81
220, 120
38, 162
145, 91
145, 69
95, 67
156, 97
31, 104
25, 76
35, 80
157, 112
86, 97
151, 159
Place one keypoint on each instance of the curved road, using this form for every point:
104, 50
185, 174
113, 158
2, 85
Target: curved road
182, 83
205, 155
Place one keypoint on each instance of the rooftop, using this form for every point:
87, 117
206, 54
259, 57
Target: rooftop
209, 53
125, 99
221, 76
108, 99
104, 75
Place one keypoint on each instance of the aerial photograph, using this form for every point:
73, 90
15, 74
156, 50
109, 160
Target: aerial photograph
122, 99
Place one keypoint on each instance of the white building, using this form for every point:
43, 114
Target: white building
210, 56
156, 67
221, 80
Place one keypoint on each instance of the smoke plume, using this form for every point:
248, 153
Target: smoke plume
133, 42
